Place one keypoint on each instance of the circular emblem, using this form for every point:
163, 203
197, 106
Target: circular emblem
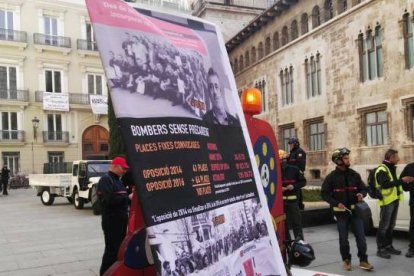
265, 159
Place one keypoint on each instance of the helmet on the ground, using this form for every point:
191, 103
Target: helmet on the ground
283, 154
301, 253
339, 153
293, 141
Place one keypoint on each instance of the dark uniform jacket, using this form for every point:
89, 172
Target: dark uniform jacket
297, 157
112, 194
342, 187
292, 176
409, 171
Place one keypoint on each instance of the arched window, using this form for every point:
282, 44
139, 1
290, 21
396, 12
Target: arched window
316, 17
241, 63
253, 54
328, 9
294, 30
304, 27
267, 46
342, 6
260, 50
247, 58
285, 36
235, 66
276, 44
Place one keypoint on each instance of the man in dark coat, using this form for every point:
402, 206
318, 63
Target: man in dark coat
5, 176
409, 171
114, 201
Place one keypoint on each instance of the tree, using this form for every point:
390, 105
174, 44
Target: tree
116, 145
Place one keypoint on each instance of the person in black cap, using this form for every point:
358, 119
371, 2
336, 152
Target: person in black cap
114, 202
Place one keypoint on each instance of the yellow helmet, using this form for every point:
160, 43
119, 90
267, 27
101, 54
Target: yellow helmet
283, 154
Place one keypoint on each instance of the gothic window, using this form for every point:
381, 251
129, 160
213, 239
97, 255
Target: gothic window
408, 41
253, 54
247, 58
304, 23
260, 50
285, 36
294, 29
329, 12
276, 44
316, 17
267, 46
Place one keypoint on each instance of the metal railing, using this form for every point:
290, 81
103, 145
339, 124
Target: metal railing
13, 35
11, 135
14, 95
88, 45
78, 98
164, 4
56, 136
52, 40
261, 4
74, 98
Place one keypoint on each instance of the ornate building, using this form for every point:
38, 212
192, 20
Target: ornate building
333, 73
49, 70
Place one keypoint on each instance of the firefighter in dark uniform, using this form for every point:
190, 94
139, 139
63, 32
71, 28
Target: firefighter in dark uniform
114, 201
409, 171
342, 189
297, 157
292, 180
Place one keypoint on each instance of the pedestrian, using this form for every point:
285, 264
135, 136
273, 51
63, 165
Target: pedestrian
297, 157
342, 189
390, 186
114, 201
293, 181
5, 176
409, 171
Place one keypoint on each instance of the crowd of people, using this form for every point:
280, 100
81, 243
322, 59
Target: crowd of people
204, 253
153, 66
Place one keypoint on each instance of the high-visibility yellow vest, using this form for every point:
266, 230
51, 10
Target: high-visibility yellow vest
391, 194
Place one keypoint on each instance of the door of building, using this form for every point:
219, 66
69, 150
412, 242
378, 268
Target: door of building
95, 144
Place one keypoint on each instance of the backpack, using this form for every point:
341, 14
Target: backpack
373, 191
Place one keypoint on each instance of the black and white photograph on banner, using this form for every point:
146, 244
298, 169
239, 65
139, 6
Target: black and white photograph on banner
205, 242
146, 68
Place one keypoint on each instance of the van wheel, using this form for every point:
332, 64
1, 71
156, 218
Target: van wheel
47, 198
77, 200
96, 205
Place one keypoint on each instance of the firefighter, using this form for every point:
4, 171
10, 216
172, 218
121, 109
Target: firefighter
292, 180
297, 157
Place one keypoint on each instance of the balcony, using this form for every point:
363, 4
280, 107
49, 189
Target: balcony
56, 137
79, 98
14, 95
54, 43
13, 38
87, 47
11, 136
74, 98
253, 4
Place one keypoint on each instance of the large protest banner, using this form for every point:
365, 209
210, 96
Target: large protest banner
175, 99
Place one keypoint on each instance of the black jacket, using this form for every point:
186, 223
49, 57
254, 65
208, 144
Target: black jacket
297, 157
291, 175
409, 171
113, 195
342, 187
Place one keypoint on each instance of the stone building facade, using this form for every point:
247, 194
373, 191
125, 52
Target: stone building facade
47, 49
230, 15
333, 73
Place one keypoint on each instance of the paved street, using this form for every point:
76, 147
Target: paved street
60, 240
47, 240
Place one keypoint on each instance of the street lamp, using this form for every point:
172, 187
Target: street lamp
35, 122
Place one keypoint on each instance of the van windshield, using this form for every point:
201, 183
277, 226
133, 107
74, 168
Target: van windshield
98, 169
